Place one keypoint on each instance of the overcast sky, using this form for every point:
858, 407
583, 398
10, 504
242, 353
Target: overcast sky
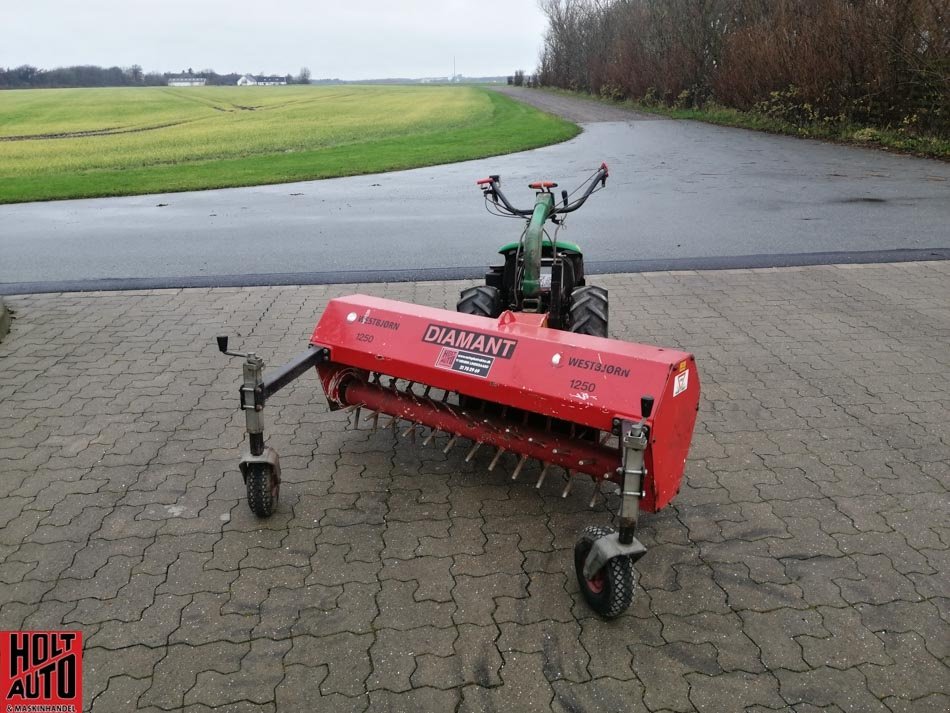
346, 39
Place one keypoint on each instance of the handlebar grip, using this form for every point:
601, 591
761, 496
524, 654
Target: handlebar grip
483, 181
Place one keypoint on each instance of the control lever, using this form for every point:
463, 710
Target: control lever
646, 406
223, 347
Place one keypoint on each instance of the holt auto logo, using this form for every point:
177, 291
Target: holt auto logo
41, 671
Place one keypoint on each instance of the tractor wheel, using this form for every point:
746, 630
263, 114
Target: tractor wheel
263, 490
483, 301
610, 591
589, 310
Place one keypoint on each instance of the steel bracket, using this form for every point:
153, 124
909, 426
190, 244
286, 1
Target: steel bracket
634, 438
269, 457
606, 548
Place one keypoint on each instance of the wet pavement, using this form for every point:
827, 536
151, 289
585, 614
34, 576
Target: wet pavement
694, 194
803, 567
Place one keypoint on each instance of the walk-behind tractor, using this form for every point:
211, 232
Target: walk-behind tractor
523, 367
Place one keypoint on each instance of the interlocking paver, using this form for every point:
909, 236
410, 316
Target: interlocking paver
803, 566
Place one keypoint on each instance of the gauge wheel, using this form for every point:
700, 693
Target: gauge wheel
610, 591
263, 490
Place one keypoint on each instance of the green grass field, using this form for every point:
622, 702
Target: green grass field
78, 143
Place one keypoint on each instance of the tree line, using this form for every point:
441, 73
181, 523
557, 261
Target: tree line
874, 62
29, 77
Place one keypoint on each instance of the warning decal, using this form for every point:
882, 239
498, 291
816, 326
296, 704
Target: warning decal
465, 362
680, 382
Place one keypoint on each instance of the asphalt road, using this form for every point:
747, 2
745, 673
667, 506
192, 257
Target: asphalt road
681, 195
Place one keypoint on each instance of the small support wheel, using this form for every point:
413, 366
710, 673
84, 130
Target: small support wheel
610, 591
263, 489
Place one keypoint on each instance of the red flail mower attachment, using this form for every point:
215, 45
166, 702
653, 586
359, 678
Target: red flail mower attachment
603, 408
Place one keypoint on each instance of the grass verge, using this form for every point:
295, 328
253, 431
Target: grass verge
57, 144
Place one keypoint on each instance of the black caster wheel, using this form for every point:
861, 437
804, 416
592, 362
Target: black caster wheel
610, 591
263, 489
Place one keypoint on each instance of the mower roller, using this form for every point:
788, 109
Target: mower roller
524, 367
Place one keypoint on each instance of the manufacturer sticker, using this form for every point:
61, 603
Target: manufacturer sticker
680, 382
465, 362
473, 342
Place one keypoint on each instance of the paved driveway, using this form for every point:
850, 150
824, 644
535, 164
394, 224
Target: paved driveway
681, 194
803, 566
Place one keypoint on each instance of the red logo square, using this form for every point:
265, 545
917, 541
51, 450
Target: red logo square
41, 671
446, 358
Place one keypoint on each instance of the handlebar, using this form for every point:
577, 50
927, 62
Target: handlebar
490, 188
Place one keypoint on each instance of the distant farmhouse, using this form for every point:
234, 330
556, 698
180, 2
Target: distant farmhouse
186, 80
249, 80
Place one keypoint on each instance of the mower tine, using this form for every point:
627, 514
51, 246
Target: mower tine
445, 396
409, 388
351, 407
356, 418
494, 461
593, 497
375, 421
524, 459
429, 438
450, 444
410, 430
473, 451
570, 484
544, 474
425, 394
605, 436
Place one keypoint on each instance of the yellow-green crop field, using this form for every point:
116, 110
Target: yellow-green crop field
76, 143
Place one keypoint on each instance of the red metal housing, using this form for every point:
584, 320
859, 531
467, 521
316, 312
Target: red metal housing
516, 362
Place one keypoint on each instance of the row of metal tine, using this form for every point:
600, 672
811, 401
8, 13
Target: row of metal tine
410, 431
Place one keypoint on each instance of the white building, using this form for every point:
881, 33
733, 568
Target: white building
186, 80
249, 80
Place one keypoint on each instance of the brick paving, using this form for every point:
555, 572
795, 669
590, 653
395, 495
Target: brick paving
804, 566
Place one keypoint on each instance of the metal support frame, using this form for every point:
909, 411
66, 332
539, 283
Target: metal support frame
634, 438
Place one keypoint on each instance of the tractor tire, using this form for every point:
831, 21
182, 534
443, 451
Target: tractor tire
483, 301
263, 490
589, 311
610, 591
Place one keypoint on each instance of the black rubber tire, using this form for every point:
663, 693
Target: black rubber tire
483, 301
262, 489
611, 592
589, 311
